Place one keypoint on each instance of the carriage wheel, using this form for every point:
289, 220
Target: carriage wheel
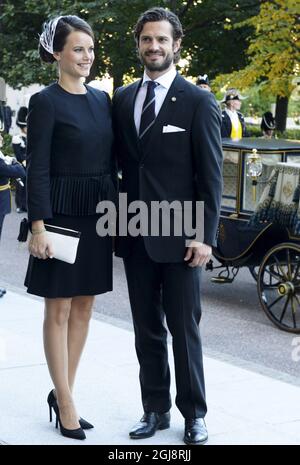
254, 271
279, 286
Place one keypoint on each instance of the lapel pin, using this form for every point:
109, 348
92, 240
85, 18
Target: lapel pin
173, 99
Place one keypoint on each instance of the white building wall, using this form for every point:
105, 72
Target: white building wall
18, 98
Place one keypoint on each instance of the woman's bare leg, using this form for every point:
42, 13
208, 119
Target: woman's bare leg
78, 327
57, 313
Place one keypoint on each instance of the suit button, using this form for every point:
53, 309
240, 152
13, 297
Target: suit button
142, 166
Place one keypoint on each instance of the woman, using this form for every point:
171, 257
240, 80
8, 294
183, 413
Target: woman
69, 172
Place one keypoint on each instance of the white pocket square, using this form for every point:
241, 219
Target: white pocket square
170, 128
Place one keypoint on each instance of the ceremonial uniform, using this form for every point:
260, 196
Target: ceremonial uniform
233, 122
7, 170
19, 143
268, 125
230, 130
203, 82
14, 170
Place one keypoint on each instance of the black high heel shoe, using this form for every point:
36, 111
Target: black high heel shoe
77, 433
52, 402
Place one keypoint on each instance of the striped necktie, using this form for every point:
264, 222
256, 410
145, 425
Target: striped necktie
148, 111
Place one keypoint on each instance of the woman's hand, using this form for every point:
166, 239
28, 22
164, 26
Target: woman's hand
40, 246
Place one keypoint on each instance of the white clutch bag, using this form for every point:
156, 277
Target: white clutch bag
64, 242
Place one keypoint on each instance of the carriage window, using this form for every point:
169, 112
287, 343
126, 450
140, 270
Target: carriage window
268, 163
230, 179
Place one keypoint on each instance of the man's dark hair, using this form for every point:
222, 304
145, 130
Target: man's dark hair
160, 14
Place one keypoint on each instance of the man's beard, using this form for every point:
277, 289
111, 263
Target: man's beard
158, 66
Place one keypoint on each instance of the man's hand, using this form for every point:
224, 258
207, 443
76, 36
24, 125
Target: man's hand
199, 253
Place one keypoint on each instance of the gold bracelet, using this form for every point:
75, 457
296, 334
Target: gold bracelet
38, 231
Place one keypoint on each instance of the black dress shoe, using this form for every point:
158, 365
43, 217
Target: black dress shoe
149, 424
195, 432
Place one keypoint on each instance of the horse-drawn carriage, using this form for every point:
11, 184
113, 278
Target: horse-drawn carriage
259, 226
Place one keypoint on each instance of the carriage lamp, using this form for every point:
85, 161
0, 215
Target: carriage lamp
254, 170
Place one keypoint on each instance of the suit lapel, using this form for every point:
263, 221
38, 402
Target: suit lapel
133, 94
170, 107
127, 111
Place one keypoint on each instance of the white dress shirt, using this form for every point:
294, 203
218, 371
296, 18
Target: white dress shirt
161, 91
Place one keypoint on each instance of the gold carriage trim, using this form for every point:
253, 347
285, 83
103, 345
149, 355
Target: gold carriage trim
247, 249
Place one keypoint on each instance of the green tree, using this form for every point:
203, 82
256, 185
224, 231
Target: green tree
273, 54
210, 45
206, 42
21, 22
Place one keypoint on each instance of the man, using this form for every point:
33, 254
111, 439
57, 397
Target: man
19, 143
169, 147
233, 123
203, 82
268, 125
9, 168
5, 117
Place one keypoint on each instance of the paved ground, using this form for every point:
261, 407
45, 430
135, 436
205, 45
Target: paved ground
244, 407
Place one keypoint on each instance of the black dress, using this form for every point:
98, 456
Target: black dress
70, 169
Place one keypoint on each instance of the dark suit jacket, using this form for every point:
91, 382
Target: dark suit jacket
181, 166
227, 126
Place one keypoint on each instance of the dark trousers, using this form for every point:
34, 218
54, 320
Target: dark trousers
21, 196
1, 223
171, 290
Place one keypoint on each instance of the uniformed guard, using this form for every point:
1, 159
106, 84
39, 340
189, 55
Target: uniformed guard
9, 168
268, 125
203, 82
19, 143
233, 123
